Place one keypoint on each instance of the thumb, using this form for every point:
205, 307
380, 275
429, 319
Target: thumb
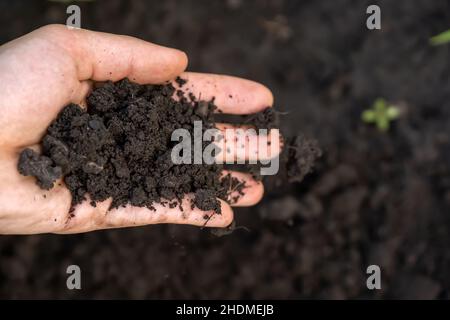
103, 56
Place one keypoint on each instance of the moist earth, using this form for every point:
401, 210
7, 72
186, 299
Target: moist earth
374, 198
120, 147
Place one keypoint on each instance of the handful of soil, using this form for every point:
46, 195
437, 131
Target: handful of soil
120, 148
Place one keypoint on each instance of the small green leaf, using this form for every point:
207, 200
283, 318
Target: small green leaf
379, 105
383, 124
441, 38
368, 116
392, 112
381, 114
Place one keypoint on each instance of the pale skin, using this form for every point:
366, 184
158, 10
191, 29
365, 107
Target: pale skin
50, 67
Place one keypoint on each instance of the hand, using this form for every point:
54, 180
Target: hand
48, 68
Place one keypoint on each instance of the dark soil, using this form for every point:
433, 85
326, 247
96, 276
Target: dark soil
301, 155
120, 148
43, 168
375, 198
266, 119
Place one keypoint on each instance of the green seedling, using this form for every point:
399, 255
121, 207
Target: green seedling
381, 114
441, 38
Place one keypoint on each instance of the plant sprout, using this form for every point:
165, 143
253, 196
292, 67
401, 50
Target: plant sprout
441, 38
381, 114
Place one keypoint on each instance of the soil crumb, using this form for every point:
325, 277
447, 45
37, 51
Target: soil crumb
33, 164
302, 154
266, 119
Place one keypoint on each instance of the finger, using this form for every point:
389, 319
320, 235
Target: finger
232, 95
87, 218
241, 143
79, 96
243, 192
55, 65
102, 56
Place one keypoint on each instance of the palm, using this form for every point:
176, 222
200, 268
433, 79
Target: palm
53, 66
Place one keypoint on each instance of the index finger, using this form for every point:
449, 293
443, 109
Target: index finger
231, 94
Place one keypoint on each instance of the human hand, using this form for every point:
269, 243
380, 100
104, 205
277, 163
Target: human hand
53, 66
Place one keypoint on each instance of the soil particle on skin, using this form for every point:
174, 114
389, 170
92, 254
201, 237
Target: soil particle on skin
205, 200
232, 188
180, 81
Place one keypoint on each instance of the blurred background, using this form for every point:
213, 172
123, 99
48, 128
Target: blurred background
375, 197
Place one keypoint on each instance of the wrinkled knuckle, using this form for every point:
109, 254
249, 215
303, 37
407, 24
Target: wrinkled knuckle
64, 226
